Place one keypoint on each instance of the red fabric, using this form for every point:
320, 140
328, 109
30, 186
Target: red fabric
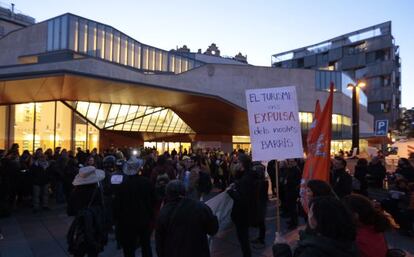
371, 243
318, 161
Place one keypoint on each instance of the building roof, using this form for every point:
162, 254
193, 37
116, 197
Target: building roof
349, 38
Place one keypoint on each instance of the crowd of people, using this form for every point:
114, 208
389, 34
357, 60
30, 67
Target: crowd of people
136, 193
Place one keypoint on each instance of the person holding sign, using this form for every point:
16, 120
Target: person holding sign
249, 207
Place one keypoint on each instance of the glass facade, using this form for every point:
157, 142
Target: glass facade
3, 126
341, 124
124, 117
161, 147
70, 32
45, 125
323, 80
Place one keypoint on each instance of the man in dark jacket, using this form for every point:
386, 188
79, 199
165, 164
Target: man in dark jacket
376, 172
292, 184
341, 181
183, 225
41, 176
249, 196
133, 207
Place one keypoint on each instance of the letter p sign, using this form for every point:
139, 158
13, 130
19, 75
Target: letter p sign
381, 127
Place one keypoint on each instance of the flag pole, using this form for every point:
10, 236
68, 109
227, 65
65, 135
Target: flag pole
277, 199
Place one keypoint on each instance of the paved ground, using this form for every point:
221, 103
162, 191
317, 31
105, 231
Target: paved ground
43, 235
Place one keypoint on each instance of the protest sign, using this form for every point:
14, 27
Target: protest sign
274, 125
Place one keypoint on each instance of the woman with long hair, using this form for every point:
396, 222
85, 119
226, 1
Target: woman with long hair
371, 225
332, 232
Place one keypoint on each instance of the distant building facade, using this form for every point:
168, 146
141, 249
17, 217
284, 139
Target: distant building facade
368, 54
74, 82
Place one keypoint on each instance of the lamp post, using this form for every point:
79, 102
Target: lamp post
355, 113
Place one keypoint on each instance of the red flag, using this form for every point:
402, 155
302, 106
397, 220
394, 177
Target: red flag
318, 161
316, 115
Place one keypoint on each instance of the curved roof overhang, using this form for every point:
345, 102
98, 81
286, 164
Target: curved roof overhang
205, 114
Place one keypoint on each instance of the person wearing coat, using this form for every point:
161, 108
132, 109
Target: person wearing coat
183, 225
376, 173
40, 172
133, 209
86, 193
341, 181
371, 226
331, 232
249, 204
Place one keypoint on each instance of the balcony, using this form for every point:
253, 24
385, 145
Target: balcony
376, 69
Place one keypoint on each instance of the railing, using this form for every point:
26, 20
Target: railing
363, 34
13, 13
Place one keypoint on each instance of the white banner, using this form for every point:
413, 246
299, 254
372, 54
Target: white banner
274, 125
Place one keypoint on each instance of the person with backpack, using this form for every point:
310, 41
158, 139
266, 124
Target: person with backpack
88, 233
133, 207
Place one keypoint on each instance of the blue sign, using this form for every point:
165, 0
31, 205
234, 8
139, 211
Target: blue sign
381, 127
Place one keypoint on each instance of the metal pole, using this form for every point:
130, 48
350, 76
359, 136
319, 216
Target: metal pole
277, 198
355, 118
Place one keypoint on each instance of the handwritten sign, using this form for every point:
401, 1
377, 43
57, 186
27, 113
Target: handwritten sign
274, 125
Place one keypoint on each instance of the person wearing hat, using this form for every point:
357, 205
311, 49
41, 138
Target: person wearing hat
133, 206
86, 194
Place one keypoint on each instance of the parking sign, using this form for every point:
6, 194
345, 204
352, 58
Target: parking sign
381, 127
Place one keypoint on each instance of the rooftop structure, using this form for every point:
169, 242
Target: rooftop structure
368, 54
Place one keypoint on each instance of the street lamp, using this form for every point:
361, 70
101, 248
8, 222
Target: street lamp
355, 113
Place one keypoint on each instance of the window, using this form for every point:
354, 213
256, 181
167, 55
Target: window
137, 55
83, 36
124, 50
79, 132
45, 125
359, 48
116, 48
73, 33
385, 107
100, 44
63, 126
145, 58
22, 122
56, 34
386, 81
92, 38
3, 126
93, 137
323, 80
108, 43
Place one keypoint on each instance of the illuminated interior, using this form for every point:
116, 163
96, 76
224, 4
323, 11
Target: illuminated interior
76, 124
138, 118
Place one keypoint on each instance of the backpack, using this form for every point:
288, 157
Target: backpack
160, 184
88, 231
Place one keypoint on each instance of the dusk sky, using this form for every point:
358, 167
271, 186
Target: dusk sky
257, 29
